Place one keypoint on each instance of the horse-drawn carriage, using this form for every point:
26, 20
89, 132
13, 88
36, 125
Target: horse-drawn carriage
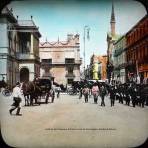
35, 91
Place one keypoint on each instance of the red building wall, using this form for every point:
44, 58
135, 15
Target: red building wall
137, 47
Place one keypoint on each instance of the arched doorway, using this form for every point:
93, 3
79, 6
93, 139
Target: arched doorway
24, 75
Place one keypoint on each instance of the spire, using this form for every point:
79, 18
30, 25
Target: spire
112, 21
112, 14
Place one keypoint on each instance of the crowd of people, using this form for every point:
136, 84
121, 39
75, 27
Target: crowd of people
128, 93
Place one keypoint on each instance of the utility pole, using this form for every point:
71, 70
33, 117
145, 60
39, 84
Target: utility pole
86, 28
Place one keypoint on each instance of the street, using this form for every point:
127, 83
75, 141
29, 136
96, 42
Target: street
69, 122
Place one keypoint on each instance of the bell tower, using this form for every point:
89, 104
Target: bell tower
112, 21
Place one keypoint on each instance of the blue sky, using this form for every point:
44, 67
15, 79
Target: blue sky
57, 18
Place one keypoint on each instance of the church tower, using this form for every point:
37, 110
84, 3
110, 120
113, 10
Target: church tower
112, 21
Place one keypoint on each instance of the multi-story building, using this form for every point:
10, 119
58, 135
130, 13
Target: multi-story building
137, 50
61, 60
119, 61
88, 72
98, 64
19, 48
103, 65
9, 64
95, 67
28, 52
112, 37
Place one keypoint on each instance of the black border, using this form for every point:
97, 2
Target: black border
3, 3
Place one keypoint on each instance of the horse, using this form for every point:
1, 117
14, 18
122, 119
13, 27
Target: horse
26, 93
30, 92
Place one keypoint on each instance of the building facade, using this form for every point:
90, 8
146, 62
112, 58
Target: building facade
9, 63
103, 65
88, 72
15, 48
61, 60
95, 67
28, 52
98, 67
119, 61
137, 51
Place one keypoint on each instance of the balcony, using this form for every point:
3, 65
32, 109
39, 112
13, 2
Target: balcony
78, 62
74, 63
26, 23
26, 56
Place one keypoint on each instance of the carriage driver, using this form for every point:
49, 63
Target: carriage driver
17, 98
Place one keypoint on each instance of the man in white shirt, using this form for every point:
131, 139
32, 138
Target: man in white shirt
17, 98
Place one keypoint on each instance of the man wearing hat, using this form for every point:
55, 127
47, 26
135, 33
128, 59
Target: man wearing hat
85, 92
17, 99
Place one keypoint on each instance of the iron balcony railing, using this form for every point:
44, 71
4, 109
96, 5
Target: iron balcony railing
26, 23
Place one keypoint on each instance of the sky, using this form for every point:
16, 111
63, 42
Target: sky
57, 18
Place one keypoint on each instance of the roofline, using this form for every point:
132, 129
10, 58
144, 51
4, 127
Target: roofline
123, 36
136, 24
8, 16
58, 46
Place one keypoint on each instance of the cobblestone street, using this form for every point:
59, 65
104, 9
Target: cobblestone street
69, 122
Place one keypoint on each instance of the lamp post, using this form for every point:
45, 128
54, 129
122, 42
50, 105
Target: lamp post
86, 28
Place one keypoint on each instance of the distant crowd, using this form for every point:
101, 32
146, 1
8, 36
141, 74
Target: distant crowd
130, 94
127, 93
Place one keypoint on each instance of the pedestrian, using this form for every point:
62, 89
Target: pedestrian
85, 92
58, 91
143, 94
133, 94
119, 93
80, 93
47, 96
52, 94
103, 92
127, 91
112, 95
95, 92
139, 99
17, 98
2, 84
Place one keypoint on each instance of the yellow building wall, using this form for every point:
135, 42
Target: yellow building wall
95, 71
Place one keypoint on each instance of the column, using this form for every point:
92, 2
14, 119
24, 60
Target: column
31, 50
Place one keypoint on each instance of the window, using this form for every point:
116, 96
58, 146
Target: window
69, 61
10, 41
15, 43
70, 69
69, 81
47, 61
145, 50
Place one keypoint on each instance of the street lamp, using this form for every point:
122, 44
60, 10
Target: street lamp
86, 28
